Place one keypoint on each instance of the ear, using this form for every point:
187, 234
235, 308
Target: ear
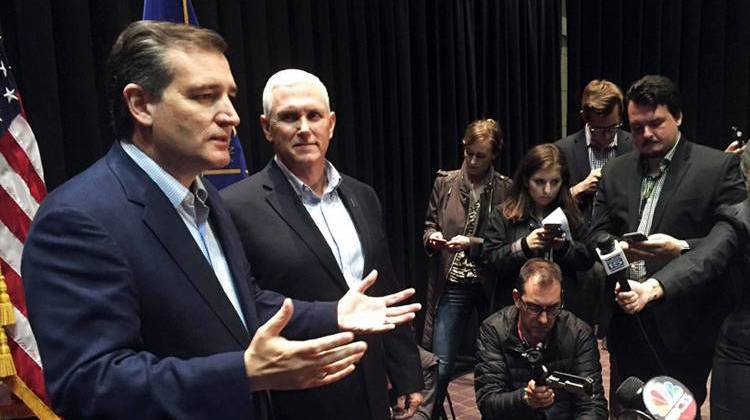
517, 298
332, 118
138, 104
679, 119
265, 125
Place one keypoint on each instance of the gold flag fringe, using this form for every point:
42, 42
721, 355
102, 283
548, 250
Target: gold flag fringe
8, 369
6, 307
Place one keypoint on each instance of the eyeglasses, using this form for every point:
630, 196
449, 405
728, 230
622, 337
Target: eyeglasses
536, 310
604, 130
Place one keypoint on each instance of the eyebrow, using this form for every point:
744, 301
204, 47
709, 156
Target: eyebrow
211, 86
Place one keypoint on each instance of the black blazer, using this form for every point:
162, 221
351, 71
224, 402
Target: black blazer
128, 315
727, 246
699, 180
577, 154
290, 255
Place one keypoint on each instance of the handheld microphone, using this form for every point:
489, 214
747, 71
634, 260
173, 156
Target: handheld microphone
660, 398
614, 261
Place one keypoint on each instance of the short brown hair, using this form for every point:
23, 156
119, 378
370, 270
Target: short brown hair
547, 272
600, 97
486, 130
138, 56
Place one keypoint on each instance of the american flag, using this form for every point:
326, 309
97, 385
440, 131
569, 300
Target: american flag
22, 182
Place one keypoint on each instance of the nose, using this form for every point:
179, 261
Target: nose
227, 115
473, 160
547, 188
304, 125
543, 318
647, 132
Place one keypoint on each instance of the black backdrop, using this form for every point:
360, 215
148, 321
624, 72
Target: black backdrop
405, 77
701, 44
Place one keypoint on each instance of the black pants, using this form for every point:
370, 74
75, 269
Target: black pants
730, 382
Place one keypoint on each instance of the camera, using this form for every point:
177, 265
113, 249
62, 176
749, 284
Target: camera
577, 385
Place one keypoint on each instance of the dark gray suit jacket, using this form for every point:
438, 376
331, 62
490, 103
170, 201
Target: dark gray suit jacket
130, 318
699, 180
290, 255
577, 154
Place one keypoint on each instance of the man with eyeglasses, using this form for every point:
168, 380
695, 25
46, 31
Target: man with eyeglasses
600, 140
587, 151
503, 377
668, 189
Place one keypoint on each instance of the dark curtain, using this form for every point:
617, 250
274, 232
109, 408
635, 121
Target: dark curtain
701, 45
405, 77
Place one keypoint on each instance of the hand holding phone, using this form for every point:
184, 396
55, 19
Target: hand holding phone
554, 230
438, 243
634, 237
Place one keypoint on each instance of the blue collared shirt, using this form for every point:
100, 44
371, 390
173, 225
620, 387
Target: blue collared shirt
333, 221
192, 208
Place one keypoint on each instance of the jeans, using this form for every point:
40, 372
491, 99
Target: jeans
453, 315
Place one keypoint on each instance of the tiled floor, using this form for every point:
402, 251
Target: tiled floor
461, 391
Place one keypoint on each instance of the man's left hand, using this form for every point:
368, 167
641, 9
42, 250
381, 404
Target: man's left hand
639, 296
406, 405
364, 314
735, 147
661, 245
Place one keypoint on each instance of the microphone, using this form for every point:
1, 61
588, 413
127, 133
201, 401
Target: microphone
661, 397
614, 261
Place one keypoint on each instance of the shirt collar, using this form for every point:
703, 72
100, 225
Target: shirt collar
169, 185
588, 137
304, 191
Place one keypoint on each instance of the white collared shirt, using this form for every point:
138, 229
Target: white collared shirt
192, 208
332, 220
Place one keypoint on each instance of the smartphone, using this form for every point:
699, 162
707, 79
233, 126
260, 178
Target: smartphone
634, 237
438, 243
554, 228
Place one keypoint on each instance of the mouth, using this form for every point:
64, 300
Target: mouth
220, 139
306, 145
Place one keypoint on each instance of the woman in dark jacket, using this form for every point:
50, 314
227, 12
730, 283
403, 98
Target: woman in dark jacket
457, 214
515, 233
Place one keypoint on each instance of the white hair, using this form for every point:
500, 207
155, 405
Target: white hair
289, 77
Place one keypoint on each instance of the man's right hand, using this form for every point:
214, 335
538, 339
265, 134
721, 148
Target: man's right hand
539, 396
587, 185
274, 363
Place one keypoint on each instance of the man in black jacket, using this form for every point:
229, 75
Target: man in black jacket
587, 151
504, 382
310, 231
668, 189
600, 140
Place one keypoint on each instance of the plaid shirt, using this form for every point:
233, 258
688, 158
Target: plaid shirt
597, 158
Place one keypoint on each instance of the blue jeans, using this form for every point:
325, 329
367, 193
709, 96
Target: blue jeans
451, 320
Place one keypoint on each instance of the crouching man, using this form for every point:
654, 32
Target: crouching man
536, 326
